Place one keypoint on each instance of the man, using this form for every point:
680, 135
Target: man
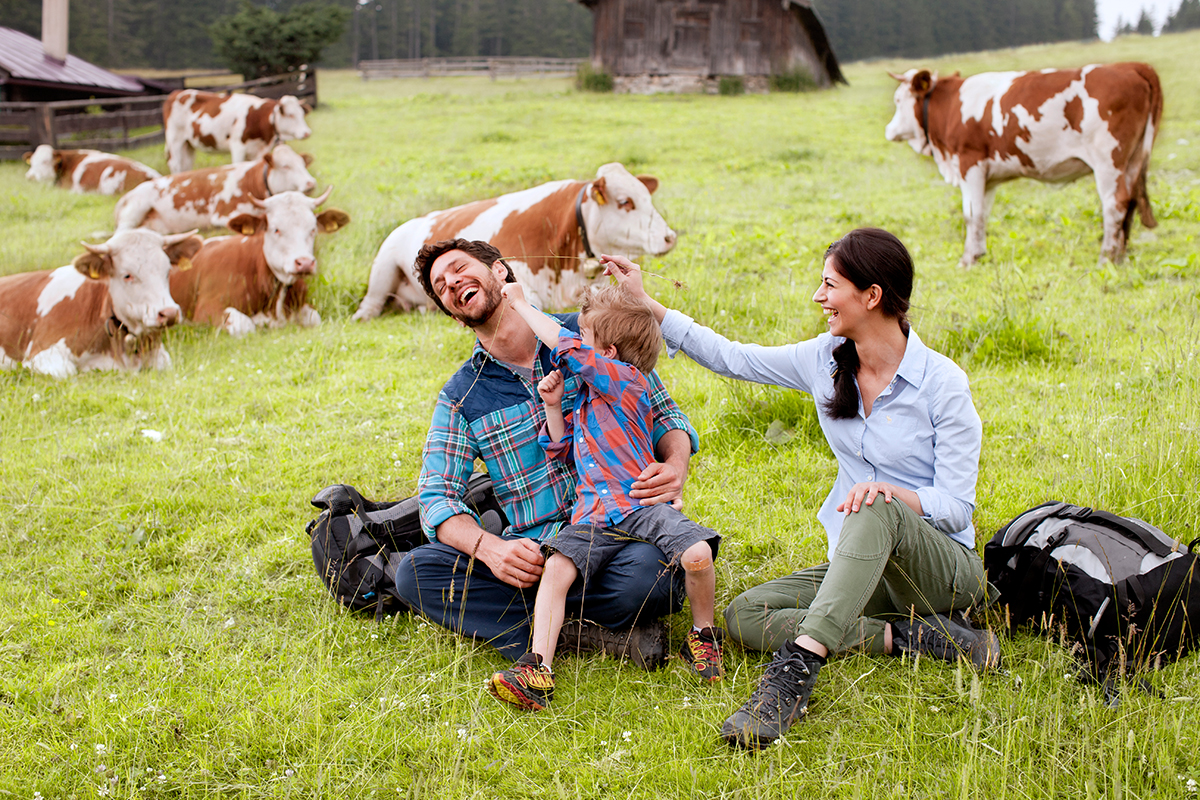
483, 585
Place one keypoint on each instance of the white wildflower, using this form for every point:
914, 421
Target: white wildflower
1191, 785
152, 435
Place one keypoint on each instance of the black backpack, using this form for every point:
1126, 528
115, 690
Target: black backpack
1125, 592
357, 544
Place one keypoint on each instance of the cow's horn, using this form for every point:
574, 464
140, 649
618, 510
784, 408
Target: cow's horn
259, 203
894, 76
316, 201
176, 238
98, 249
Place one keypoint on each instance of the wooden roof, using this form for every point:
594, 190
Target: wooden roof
24, 61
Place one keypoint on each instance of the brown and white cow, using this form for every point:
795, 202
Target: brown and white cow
241, 124
209, 198
107, 310
86, 170
1052, 125
257, 277
548, 232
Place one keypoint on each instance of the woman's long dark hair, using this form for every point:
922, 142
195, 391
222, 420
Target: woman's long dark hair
864, 257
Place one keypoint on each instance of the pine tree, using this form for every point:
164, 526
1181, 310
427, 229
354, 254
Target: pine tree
1186, 17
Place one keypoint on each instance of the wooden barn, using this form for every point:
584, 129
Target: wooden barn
687, 45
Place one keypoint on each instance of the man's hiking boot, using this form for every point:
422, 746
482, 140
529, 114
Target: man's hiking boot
779, 701
947, 639
702, 652
644, 645
527, 684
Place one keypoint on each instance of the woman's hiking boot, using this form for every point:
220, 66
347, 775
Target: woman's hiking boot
948, 639
527, 684
644, 645
702, 652
779, 701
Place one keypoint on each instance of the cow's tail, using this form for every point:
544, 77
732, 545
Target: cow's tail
1147, 73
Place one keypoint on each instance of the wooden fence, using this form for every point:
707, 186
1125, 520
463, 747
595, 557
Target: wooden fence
497, 67
118, 123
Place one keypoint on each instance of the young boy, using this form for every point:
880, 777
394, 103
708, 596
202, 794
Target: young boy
610, 428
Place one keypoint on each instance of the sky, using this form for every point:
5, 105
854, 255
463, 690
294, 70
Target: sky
1129, 10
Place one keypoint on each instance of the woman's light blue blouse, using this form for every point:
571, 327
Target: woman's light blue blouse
923, 433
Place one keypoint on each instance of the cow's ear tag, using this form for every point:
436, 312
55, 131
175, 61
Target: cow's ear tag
331, 226
247, 230
94, 272
184, 263
599, 198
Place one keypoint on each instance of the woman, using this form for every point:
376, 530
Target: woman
900, 420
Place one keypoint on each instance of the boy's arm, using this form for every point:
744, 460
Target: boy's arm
551, 390
542, 326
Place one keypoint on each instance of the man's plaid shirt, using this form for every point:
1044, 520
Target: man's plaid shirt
489, 412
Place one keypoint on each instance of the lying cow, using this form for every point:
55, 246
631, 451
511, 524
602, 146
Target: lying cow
256, 277
86, 170
107, 310
240, 124
550, 232
209, 198
1053, 125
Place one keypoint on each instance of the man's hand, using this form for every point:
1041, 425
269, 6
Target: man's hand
659, 483
551, 389
517, 562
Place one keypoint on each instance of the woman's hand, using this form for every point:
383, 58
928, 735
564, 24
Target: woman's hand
627, 273
866, 493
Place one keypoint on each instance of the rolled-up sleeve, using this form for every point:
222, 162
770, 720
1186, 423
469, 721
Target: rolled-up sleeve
562, 448
958, 436
446, 465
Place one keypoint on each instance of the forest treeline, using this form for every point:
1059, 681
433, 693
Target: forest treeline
174, 34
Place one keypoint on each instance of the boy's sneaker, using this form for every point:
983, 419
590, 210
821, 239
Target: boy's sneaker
779, 701
527, 684
644, 645
702, 651
947, 639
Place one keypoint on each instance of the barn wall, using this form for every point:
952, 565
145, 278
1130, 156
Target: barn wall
700, 37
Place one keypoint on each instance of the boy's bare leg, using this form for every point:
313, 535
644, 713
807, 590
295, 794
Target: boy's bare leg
549, 607
700, 580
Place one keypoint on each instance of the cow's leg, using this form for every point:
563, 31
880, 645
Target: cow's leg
1115, 197
976, 204
236, 323
238, 151
308, 317
56, 361
183, 158
382, 286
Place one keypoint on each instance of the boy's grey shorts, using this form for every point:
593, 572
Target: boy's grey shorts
591, 547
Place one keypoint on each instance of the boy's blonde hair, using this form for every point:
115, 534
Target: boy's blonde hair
617, 318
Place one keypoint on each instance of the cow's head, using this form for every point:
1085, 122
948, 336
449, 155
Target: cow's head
915, 86
288, 118
287, 170
289, 229
136, 264
620, 217
44, 164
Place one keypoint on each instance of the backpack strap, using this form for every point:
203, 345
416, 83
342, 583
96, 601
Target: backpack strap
1017, 531
1133, 529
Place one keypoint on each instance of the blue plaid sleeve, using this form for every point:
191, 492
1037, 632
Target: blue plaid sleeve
446, 466
667, 416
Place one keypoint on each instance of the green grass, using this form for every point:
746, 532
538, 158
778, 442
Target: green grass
162, 633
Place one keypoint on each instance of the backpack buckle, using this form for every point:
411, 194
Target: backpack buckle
1076, 512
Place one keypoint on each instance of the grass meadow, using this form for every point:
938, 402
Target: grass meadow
162, 631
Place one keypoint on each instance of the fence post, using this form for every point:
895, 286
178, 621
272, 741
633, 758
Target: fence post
44, 126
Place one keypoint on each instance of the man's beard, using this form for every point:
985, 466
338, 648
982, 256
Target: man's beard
492, 300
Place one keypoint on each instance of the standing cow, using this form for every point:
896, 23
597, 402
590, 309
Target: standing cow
86, 170
240, 124
549, 231
209, 198
107, 310
1053, 125
257, 277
